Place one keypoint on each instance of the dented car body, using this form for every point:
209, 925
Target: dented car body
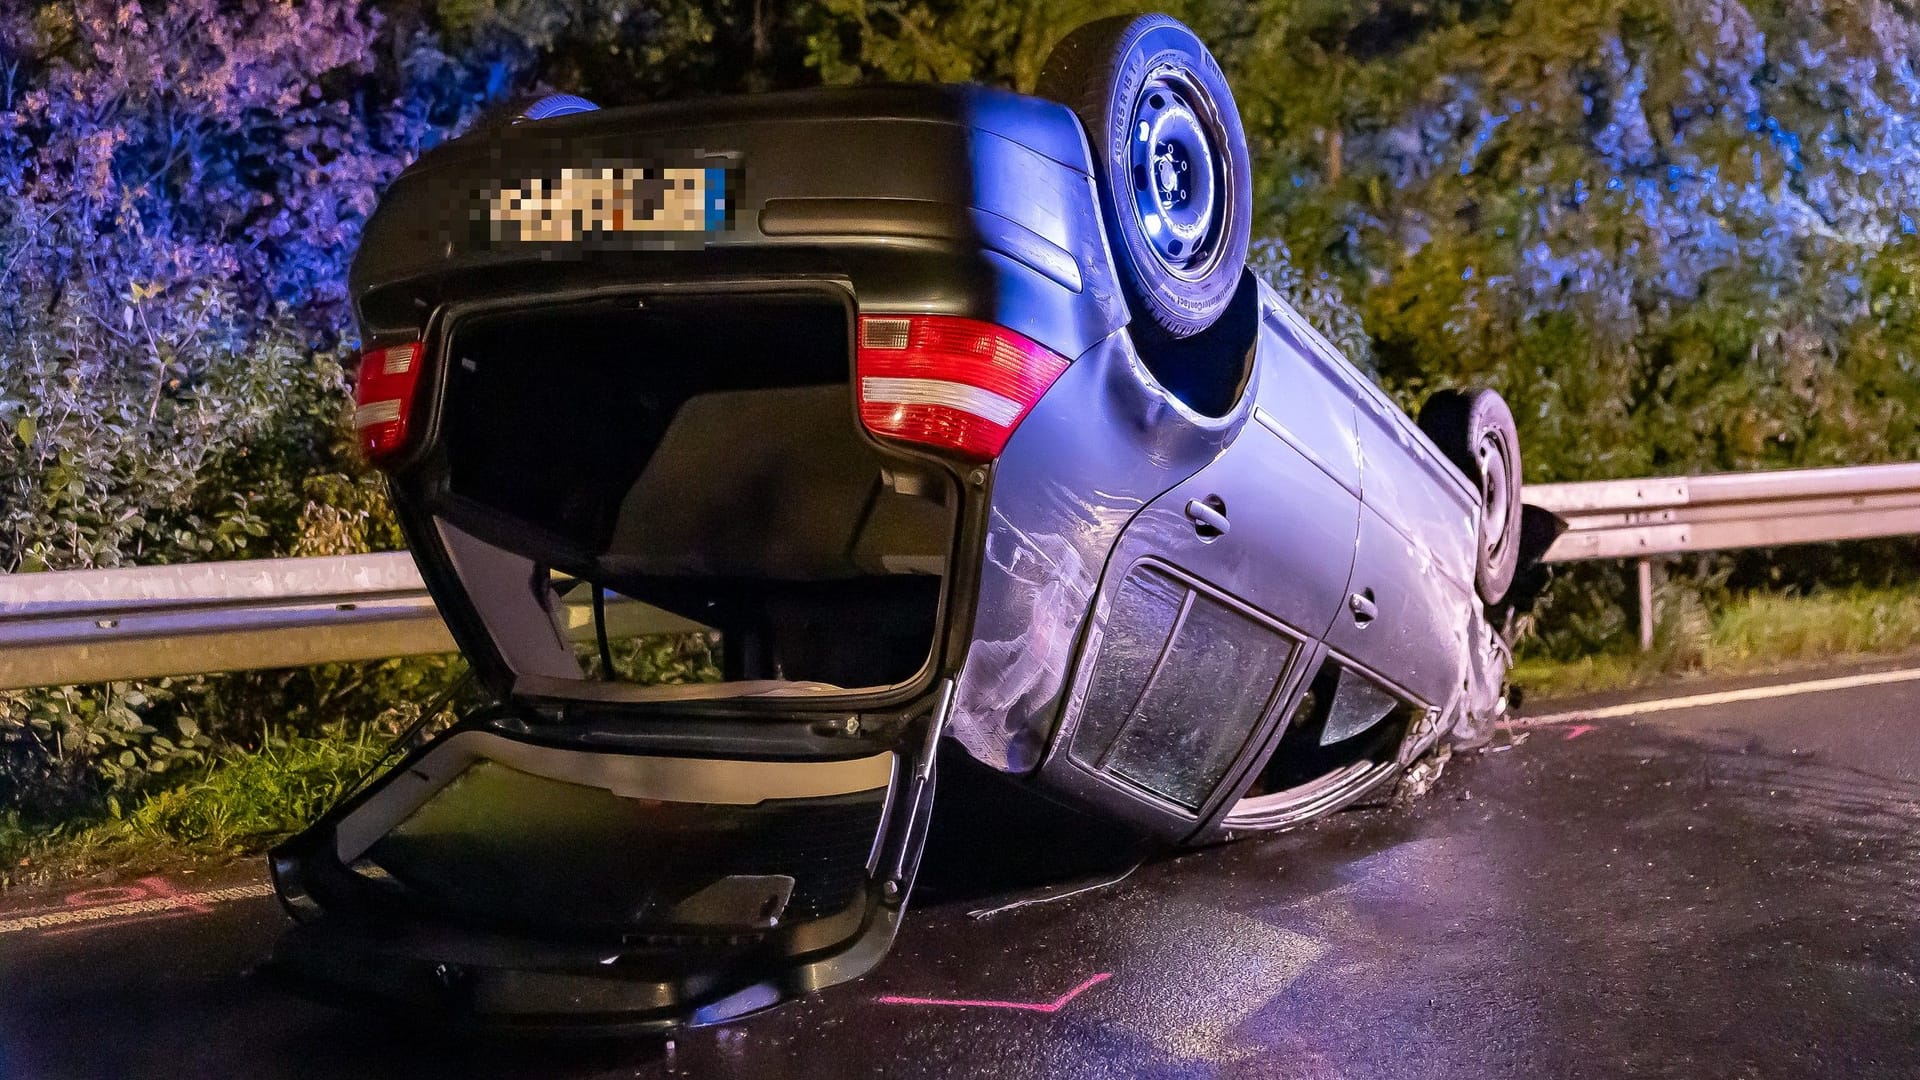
860, 408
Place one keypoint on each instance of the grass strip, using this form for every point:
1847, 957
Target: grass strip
241, 804
1751, 634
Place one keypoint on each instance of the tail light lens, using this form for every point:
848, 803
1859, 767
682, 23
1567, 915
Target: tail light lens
949, 383
383, 398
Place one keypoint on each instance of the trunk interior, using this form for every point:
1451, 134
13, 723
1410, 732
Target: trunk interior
686, 478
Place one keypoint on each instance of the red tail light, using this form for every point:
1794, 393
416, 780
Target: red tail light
947, 382
383, 398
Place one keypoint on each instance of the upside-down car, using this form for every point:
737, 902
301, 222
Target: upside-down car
941, 415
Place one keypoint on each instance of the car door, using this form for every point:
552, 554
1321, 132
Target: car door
1412, 581
1403, 616
1285, 494
1219, 588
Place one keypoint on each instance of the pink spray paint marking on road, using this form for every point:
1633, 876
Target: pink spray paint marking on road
111, 894
1578, 730
150, 890
161, 887
115, 905
147, 888
1053, 1006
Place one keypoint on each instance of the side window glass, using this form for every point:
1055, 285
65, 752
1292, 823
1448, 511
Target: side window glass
1181, 681
1345, 721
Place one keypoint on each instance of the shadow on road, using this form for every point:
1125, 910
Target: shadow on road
989, 839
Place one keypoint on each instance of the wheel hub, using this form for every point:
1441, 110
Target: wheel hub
1177, 174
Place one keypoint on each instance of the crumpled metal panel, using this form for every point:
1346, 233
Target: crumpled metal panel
1100, 445
1107, 448
1009, 682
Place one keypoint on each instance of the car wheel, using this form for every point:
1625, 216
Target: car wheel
1170, 163
1475, 429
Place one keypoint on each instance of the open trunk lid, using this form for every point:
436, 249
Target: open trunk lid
515, 877
710, 604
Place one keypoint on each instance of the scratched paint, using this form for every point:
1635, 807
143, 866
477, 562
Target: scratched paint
1062, 494
1005, 687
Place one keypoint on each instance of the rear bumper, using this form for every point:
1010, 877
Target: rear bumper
518, 984
512, 879
985, 208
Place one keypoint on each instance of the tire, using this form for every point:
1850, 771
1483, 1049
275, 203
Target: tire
1474, 428
1178, 208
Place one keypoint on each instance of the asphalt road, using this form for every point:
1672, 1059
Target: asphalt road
1730, 891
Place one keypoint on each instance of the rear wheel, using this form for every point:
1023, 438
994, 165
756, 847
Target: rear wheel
1170, 162
1475, 429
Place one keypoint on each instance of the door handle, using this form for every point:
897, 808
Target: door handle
1363, 607
1209, 517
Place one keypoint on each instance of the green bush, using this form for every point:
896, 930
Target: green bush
183, 184
245, 457
1730, 634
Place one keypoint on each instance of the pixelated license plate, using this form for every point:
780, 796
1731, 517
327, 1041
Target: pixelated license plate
610, 202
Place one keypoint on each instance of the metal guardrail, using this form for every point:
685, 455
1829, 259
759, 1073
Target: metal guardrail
1640, 519
86, 626
82, 626
1617, 519
99, 625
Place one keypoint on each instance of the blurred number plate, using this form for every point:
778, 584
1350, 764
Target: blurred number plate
579, 204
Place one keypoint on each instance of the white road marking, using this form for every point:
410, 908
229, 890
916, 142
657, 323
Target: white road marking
69, 916
1725, 697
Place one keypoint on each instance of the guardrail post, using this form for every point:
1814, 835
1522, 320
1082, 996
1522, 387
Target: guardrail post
1643, 568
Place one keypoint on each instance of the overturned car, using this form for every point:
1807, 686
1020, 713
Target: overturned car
944, 415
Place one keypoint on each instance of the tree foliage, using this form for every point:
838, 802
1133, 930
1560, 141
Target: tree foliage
1678, 234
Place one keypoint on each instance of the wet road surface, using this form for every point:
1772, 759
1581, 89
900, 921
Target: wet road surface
1722, 892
